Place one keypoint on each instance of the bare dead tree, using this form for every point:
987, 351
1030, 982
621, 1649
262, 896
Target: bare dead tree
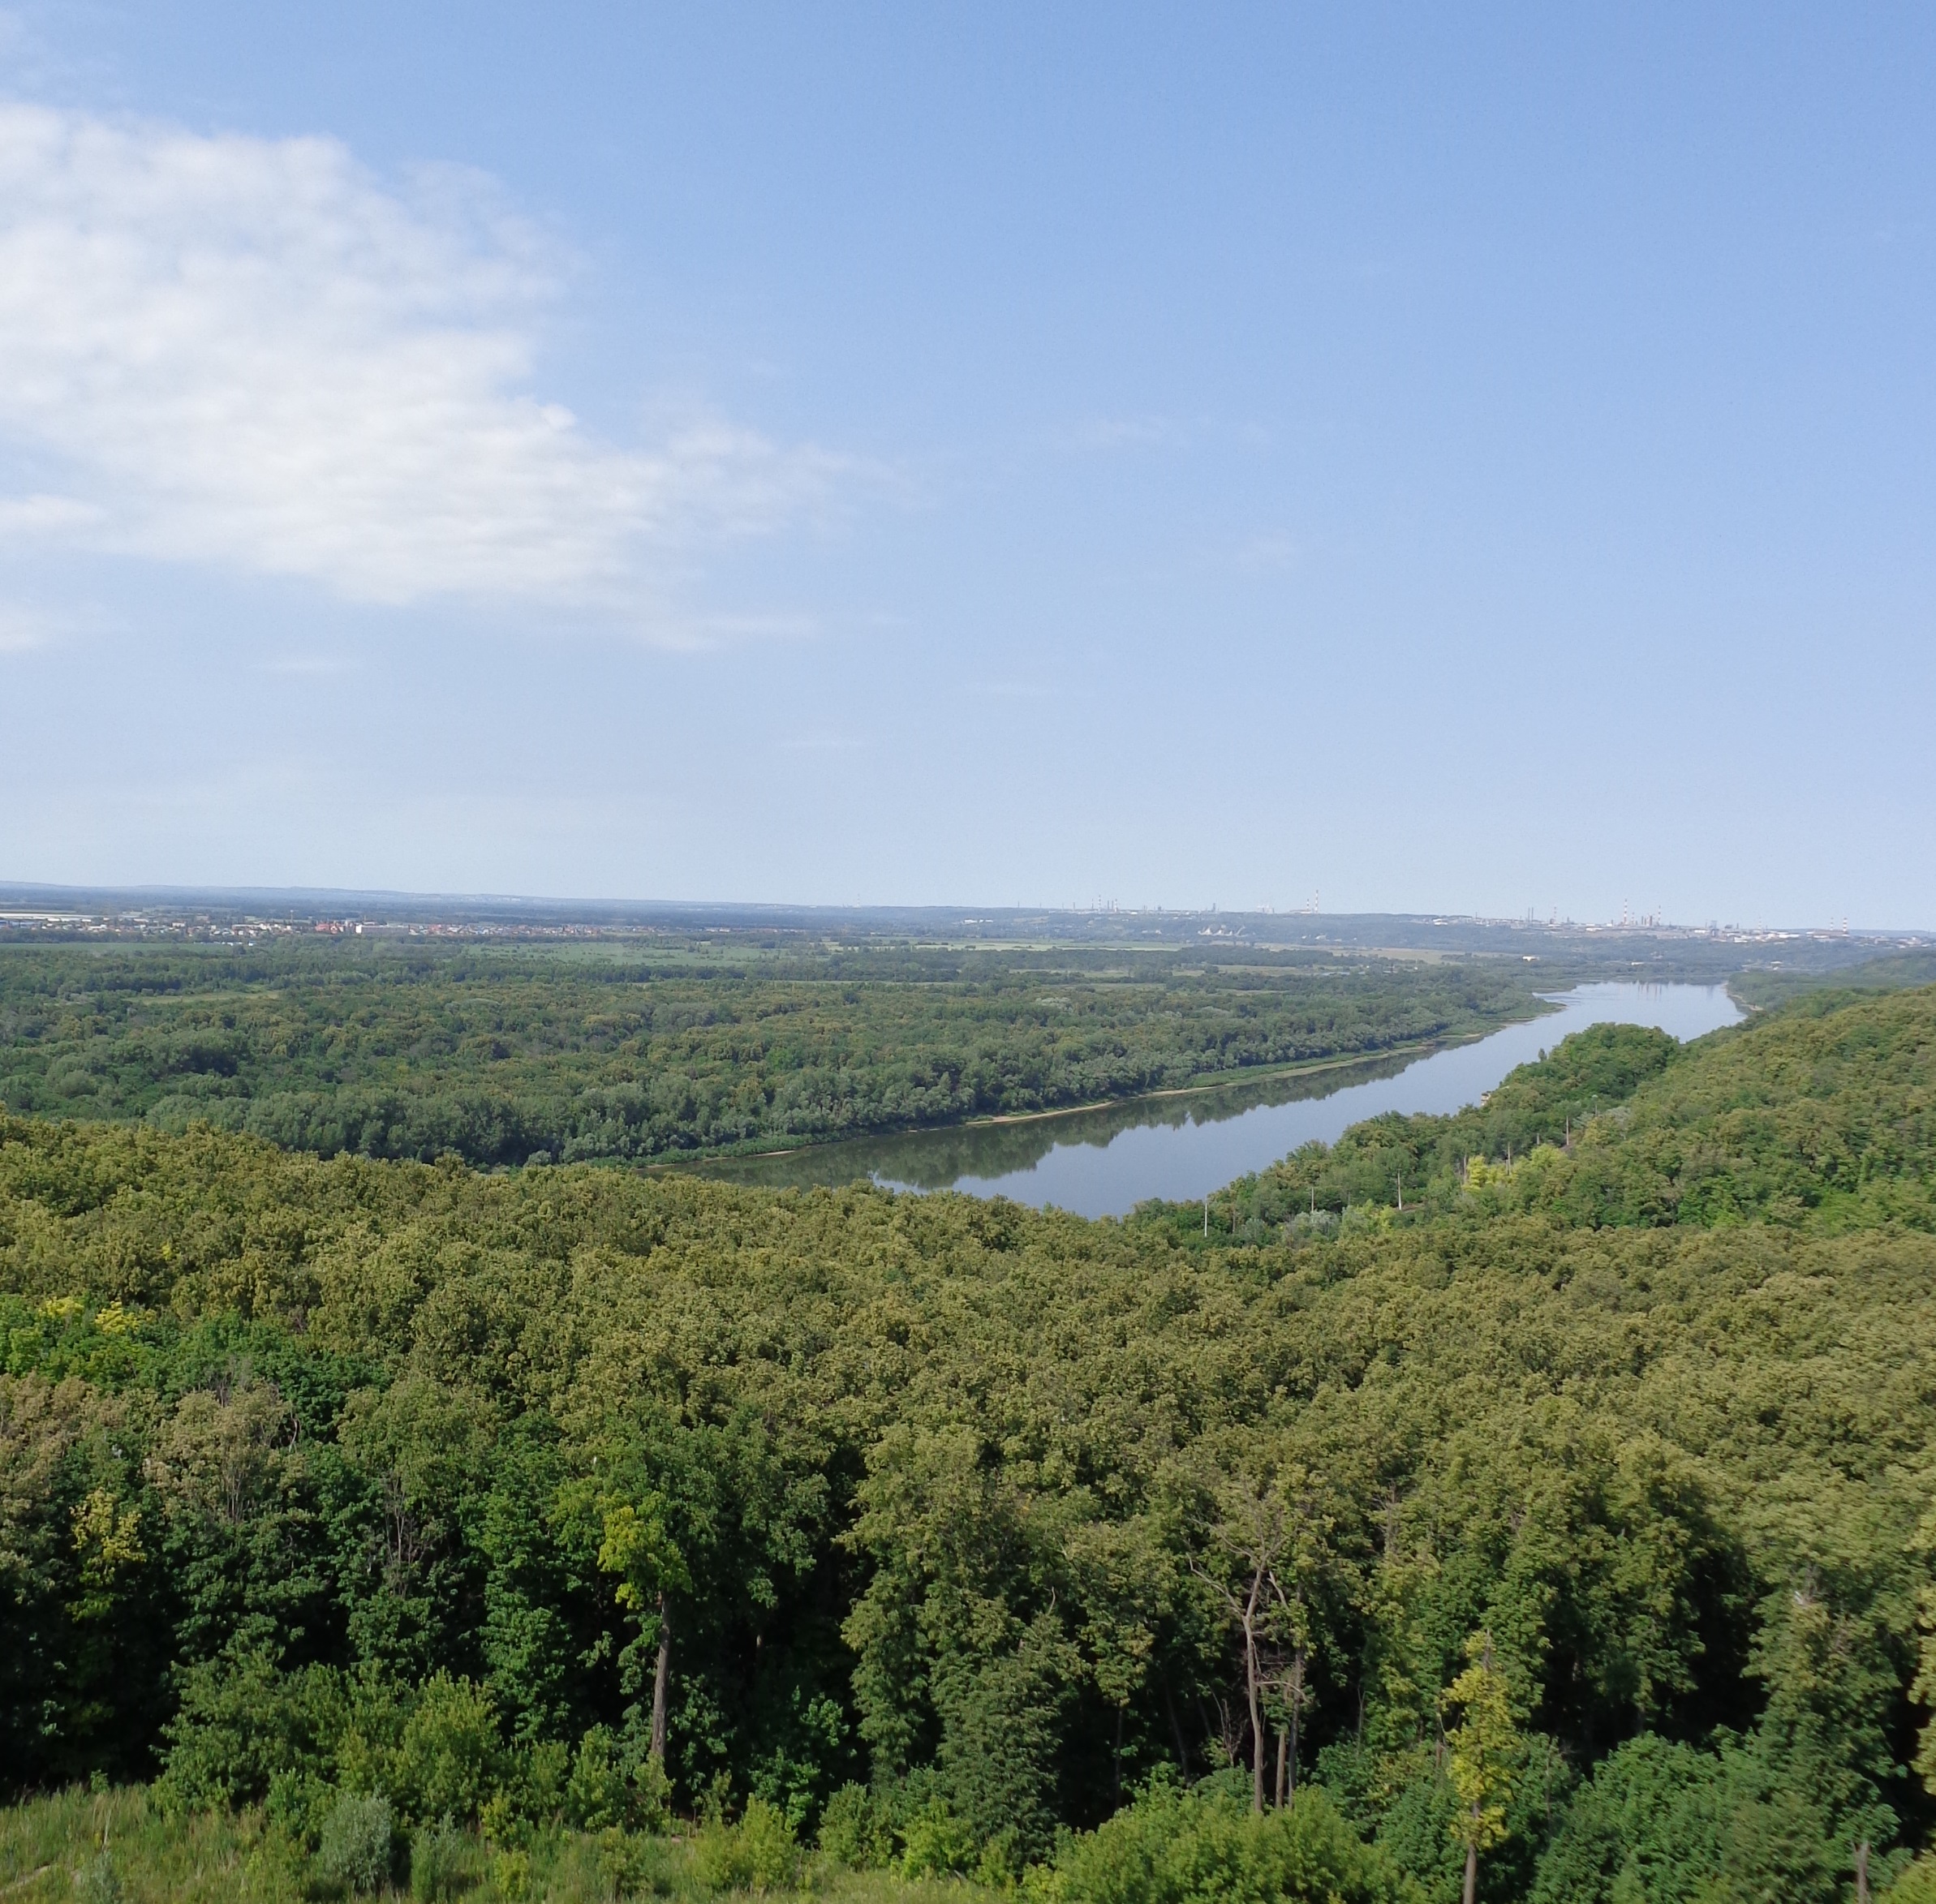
1226, 1736
661, 1678
1254, 1535
1291, 1692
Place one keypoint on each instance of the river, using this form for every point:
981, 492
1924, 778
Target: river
1104, 1162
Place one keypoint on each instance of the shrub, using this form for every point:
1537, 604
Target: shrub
716, 1856
244, 1724
768, 1847
1001, 1865
298, 1802
97, 1882
934, 1843
510, 1875
855, 1829
635, 1866
758, 1854
651, 1796
534, 1794
1193, 1847
447, 1760
357, 1842
436, 1861
597, 1794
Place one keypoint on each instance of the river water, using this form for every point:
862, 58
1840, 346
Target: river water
1104, 1162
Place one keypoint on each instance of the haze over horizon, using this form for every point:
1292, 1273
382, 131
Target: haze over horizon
28, 901
975, 457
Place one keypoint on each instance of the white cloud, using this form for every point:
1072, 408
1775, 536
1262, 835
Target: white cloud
319, 666
27, 625
719, 631
20, 629
1273, 550
1111, 433
252, 353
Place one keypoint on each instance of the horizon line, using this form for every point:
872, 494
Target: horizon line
238, 898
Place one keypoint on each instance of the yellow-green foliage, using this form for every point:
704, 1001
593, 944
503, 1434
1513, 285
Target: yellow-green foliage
1173, 1847
1481, 1749
1916, 1886
757, 1852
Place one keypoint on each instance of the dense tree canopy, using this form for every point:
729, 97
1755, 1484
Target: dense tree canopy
572, 1053
1600, 1484
1822, 1120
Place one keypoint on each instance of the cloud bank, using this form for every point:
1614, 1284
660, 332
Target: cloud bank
252, 353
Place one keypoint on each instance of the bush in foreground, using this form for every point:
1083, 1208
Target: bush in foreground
1204, 1846
52, 1852
758, 1854
358, 1842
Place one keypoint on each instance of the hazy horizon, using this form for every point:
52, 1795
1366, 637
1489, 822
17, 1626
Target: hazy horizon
18, 894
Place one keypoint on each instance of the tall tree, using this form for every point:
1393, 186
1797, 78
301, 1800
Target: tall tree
1482, 1749
1251, 1542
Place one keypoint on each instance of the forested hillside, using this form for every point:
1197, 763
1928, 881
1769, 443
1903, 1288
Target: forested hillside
1821, 1119
1763, 987
639, 1052
1583, 1531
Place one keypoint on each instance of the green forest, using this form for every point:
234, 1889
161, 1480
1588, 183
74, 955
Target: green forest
628, 1052
1821, 1120
1537, 1501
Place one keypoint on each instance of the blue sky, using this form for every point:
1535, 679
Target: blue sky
1468, 459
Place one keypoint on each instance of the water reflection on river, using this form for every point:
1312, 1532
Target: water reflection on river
1104, 1162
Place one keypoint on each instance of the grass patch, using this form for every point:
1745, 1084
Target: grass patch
116, 1847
